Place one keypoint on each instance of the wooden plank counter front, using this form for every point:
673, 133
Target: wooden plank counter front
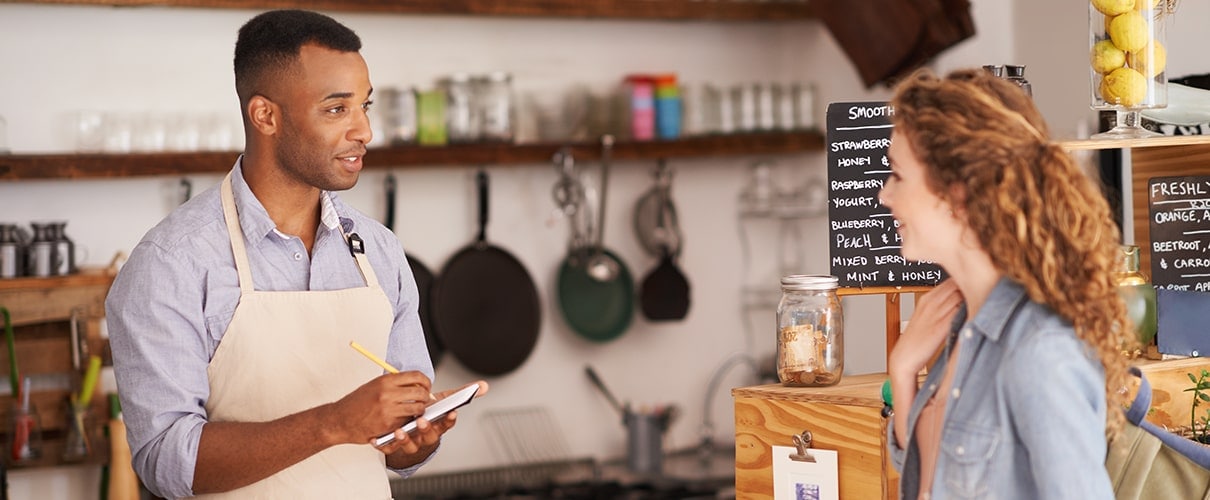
844, 417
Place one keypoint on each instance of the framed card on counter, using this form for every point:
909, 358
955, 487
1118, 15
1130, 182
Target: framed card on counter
813, 475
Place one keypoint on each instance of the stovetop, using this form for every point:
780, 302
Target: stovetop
686, 476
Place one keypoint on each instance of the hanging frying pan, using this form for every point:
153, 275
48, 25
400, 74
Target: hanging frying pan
424, 281
664, 294
596, 291
485, 306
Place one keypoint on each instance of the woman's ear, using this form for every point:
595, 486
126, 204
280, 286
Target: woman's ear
957, 200
264, 115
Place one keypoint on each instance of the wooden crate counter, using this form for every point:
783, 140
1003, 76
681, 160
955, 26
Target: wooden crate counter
844, 417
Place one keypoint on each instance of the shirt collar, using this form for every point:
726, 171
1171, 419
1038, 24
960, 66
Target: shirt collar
254, 220
993, 317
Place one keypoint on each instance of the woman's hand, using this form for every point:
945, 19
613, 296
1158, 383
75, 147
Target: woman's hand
929, 326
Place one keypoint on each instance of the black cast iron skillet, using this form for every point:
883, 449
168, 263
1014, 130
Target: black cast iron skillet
485, 306
424, 282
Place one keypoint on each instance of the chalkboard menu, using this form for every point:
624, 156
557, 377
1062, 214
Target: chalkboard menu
862, 240
1179, 215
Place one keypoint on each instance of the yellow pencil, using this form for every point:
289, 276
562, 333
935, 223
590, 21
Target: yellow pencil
377, 360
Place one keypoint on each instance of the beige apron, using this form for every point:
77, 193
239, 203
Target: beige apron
288, 351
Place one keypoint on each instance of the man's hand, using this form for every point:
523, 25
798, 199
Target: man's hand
380, 405
409, 449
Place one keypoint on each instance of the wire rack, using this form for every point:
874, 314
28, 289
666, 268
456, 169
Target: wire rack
492, 481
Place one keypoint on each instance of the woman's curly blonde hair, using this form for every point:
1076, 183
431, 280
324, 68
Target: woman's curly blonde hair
1044, 223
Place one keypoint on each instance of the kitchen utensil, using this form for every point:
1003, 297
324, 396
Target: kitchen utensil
597, 310
596, 290
424, 281
596, 380
664, 293
525, 435
645, 429
123, 483
645, 439
485, 306
601, 267
655, 221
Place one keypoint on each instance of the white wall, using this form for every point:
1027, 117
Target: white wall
60, 60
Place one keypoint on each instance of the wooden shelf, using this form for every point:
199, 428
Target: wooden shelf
1174, 140
83, 166
669, 10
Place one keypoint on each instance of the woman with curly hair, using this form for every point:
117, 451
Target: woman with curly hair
1024, 392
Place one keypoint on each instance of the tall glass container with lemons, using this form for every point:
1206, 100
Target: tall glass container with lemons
1127, 56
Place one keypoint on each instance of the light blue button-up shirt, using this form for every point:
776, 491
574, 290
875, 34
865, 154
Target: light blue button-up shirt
1025, 417
170, 305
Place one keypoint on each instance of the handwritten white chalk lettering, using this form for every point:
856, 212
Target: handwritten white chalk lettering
1176, 246
860, 241
1177, 188
860, 145
861, 184
857, 224
1179, 288
1181, 216
861, 277
1201, 287
857, 260
856, 112
1190, 263
861, 201
883, 260
853, 162
933, 275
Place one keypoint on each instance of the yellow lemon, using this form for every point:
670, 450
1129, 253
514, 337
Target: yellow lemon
1150, 60
1124, 87
1129, 31
1107, 57
1145, 4
1113, 7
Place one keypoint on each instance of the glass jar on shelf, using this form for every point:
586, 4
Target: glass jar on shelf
1127, 60
495, 99
461, 118
810, 331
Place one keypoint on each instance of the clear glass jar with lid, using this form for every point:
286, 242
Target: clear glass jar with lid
810, 331
461, 119
495, 91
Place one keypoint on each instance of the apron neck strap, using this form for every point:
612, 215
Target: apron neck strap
237, 236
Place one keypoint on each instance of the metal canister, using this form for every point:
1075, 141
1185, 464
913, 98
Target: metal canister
810, 331
12, 252
41, 252
63, 257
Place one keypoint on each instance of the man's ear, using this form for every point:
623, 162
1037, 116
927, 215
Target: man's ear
264, 115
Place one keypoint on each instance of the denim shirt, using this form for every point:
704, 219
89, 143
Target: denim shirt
1025, 417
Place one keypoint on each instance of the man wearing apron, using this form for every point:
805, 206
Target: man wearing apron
230, 323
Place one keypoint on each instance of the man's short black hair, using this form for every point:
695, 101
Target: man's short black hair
269, 43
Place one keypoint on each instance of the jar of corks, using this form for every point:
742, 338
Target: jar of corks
810, 331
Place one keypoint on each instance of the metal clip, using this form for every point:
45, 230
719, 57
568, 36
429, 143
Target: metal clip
356, 246
803, 443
